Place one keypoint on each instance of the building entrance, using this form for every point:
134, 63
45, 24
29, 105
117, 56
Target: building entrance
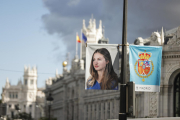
177, 96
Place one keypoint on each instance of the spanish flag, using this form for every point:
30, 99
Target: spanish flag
78, 39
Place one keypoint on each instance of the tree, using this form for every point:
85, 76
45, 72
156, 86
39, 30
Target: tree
45, 118
24, 116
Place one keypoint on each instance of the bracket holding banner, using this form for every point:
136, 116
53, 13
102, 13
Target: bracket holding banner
123, 44
123, 84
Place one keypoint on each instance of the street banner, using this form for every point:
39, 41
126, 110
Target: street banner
90, 51
145, 67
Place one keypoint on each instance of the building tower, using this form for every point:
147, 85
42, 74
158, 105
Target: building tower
30, 78
93, 35
30, 89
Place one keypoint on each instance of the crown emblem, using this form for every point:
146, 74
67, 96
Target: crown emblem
143, 55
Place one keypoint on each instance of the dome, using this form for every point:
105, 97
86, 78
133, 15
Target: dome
64, 63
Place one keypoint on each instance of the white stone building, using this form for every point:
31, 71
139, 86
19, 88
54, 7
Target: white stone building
166, 103
26, 95
72, 102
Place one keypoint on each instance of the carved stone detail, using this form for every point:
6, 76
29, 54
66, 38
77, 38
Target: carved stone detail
167, 67
178, 33
153, 104
170, 56
155, 39
175, 46
174, 42
172, 66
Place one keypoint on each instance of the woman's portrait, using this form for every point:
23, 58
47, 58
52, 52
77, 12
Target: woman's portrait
102, 75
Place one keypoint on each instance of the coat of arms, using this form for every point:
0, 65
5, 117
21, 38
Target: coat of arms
144, 65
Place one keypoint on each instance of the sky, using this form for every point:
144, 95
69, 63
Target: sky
41, 32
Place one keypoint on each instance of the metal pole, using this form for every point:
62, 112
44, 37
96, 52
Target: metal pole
122, 111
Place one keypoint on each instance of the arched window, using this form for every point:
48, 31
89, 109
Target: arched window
177, 96
72, 93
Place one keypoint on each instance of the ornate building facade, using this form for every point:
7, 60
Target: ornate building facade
26, 95
73, 102
166, 103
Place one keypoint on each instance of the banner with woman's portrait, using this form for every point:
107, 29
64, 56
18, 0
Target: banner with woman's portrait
102, 66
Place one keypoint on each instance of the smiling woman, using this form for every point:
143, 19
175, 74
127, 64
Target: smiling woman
102, 73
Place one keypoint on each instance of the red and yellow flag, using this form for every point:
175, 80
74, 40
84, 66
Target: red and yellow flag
78, 39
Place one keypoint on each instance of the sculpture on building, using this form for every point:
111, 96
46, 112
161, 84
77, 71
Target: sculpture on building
175, 39
155, 39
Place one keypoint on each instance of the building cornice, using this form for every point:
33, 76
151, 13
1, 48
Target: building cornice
171, 56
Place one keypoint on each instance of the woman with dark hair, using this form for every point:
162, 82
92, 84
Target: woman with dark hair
102, 73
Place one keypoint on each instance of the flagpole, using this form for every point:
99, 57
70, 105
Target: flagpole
81, 46
76, 45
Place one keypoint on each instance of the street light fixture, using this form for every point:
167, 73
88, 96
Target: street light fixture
49, 102
17, 108
122, 111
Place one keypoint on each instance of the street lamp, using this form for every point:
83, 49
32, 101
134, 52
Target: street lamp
49, 102
17, 108
41, 108
122, 111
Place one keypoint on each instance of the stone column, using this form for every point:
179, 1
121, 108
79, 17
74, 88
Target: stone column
146, 105
89, 111
70, 111
93, 111
141, 105
64, 97
170, 101
81, 105
165, 101
136, 104
66, 116
153, 104
76, 90
97, 111
27, 108
116, 108
7, 109
85, 112
111, 109
106, 110
75, 111
33, 110
160, 105
102, 110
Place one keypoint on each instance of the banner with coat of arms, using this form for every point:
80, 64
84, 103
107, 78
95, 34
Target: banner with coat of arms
145, 67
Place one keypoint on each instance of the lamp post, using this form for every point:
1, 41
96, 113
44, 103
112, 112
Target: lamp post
122, 111
17, 108
49, 102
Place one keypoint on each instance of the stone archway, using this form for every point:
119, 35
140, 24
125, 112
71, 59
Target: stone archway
177, 96
171, 90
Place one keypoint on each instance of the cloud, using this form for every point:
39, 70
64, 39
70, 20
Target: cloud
151, 15
144, 17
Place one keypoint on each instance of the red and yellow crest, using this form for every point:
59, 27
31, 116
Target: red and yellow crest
144, 65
